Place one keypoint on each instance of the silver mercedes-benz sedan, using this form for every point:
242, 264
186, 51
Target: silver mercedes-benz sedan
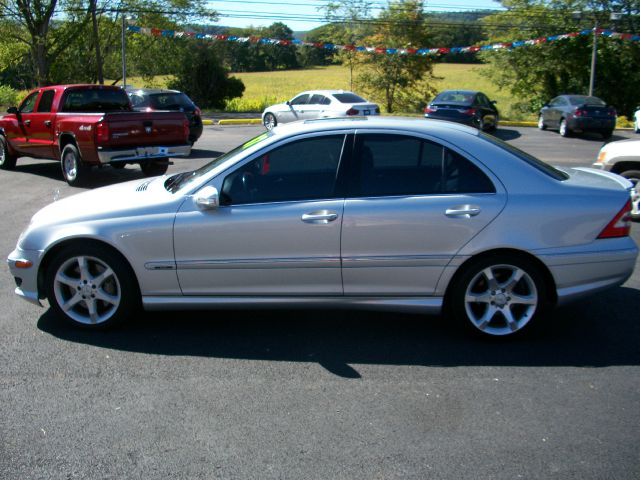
379, 213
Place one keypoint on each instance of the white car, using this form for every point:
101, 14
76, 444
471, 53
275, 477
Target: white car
318, 104
623, 157
636, 121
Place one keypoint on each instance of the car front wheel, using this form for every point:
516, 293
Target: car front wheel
541, 124
269, 121
90, 286
499, 296
7, 161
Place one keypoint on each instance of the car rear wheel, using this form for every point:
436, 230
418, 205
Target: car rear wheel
73, 170
541, 124
269, 121
479, 123
90, 287
7, 161
636, 126
564, 128
153, 168
634, 177
498, 296
606, 134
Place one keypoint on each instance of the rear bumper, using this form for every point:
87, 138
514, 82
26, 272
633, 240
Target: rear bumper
587, 124
463, 119
590, 269
138, 154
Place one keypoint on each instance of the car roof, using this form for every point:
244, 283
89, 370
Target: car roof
467, 92
402, 124
325, 92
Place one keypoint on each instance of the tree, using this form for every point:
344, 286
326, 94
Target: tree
201, 75
398, 80
538, 73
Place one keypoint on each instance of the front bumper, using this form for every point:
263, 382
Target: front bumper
139, 154
26, 278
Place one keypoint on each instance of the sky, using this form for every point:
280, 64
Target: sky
302, 15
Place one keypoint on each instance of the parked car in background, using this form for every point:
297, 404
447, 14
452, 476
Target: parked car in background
149, 99
623, 157
571, 114
90, 125
318, 104
636, 120
464, 106
351, 226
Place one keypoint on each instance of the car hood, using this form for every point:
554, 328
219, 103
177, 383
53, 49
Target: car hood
629, 148
136, 197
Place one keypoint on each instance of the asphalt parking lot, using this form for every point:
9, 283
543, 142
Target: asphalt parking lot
313, 394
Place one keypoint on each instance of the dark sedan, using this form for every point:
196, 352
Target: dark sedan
571, 114
147, 99
464, 106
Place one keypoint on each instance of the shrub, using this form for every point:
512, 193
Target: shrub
8, 96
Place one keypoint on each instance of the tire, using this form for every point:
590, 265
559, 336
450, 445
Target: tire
499, 295
154, 168
269, 121
7, 161
564, 129
479, 123
606, 134
91, 287
73, 170
634, 177
541, 124
118, 165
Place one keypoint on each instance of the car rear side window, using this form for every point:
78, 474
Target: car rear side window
300, 170
46, 101
388, 165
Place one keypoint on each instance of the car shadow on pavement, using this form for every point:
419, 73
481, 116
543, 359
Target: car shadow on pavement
598, 332
506, 134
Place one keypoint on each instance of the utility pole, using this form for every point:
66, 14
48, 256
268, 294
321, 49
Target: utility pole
124, 52
594, 54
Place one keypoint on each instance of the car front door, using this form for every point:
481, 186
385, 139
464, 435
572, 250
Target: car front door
41, 138
277, 231
411, 205
20, 134
295, 109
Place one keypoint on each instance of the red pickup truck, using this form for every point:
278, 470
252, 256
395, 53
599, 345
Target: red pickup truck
90, 125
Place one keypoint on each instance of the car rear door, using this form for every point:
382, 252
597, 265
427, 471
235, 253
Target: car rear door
412, 204
277, 231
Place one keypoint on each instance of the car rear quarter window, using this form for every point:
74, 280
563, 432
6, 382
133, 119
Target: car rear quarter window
348, 98
299, 170
391, 165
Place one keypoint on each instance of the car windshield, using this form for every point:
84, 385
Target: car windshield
180, 180
538, 164
348, 98
170, 101
585, 100
455, 98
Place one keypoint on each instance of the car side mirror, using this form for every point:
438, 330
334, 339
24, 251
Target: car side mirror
208, 198
13, 110
288, 102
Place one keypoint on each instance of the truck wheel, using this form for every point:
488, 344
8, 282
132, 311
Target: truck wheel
73, 170
153, 168
7, 161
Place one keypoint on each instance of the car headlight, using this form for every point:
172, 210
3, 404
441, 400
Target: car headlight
602, 156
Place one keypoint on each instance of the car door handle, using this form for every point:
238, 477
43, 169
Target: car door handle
320, 216
47, 123
27, 122
466, 211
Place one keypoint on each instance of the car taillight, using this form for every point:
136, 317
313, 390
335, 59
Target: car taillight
612, 112
580, 113
197, 112
620, 225
352, 111
430, 109
470, 111
102, 133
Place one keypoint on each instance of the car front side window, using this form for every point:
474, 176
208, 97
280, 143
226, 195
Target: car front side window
300, 100
29, 103
300, 170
